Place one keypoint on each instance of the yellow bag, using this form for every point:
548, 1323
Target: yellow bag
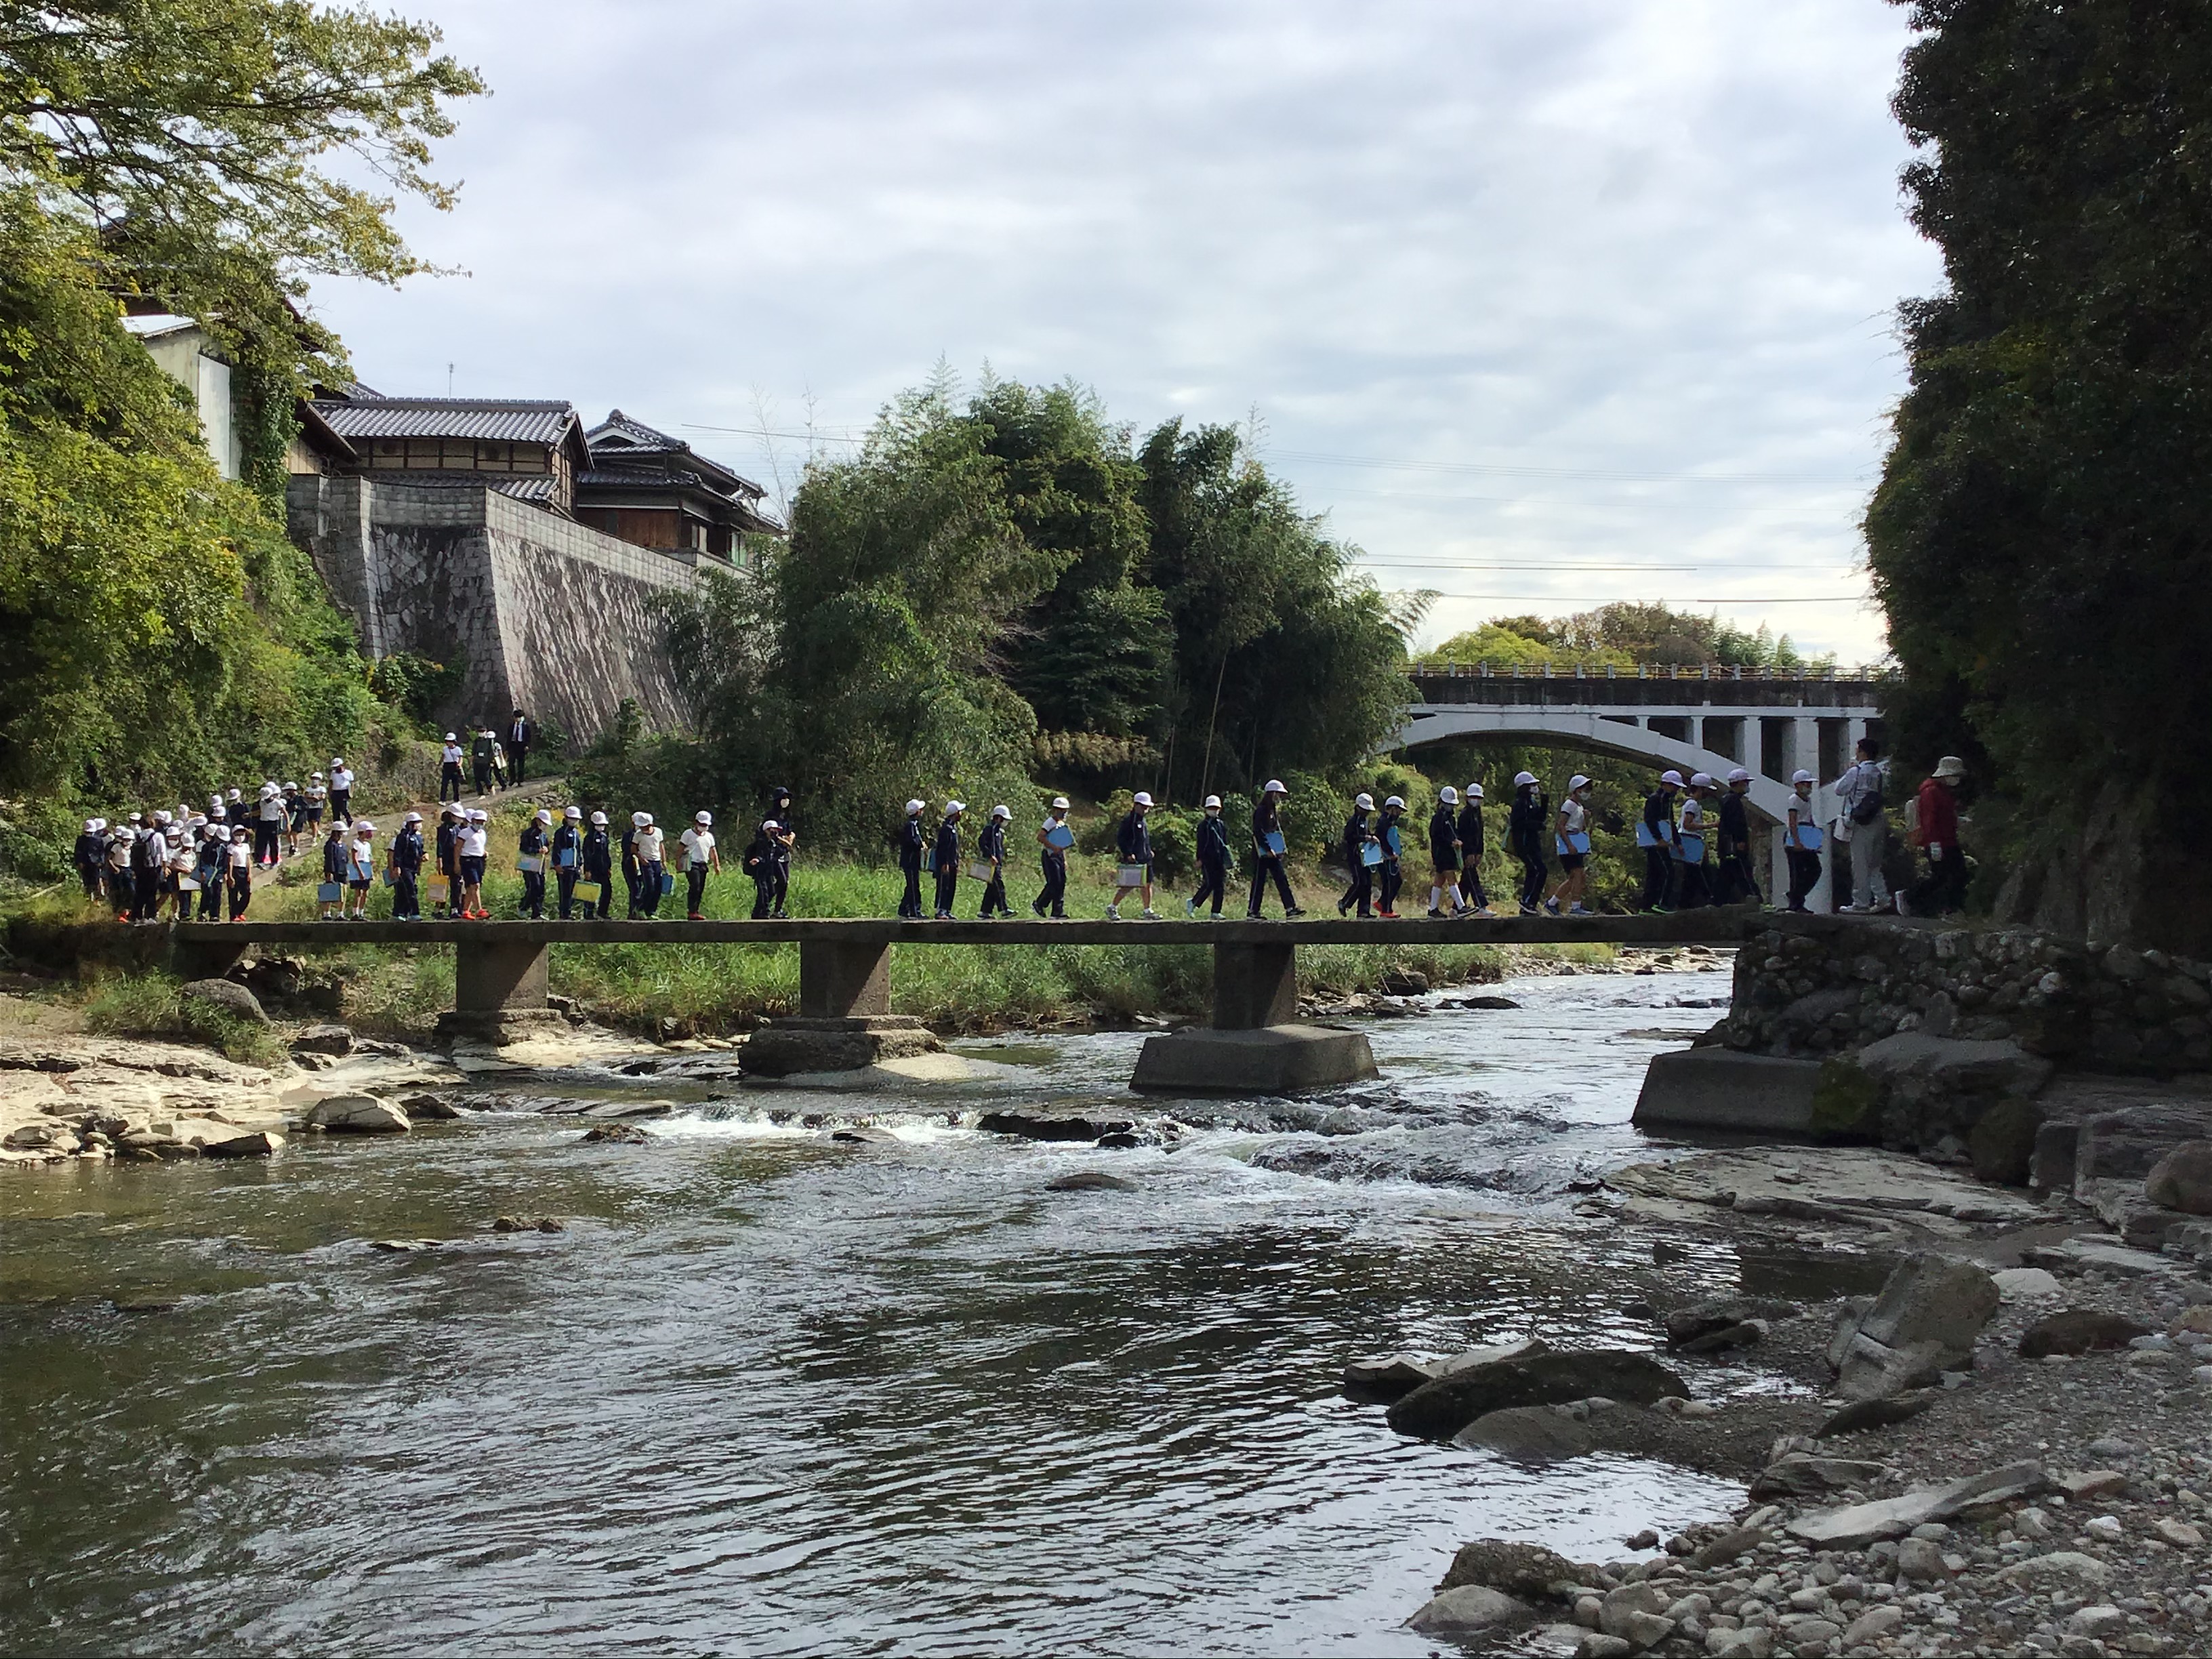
588, 891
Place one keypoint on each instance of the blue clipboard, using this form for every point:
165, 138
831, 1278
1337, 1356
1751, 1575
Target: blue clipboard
1059, 835
1372, 853
1390, 839
1808, 837
1692, 850
1577, 842
1274, 842
566, 857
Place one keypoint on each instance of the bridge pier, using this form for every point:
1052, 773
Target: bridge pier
844, 1020
1255, 1045
498, 991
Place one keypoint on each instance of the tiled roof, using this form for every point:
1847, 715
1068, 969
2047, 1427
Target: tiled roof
153, 325
618, 438
495, 420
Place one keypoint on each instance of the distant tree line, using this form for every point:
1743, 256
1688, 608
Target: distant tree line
1620, 636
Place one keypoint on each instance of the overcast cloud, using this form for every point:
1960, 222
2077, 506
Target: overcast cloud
1606, 283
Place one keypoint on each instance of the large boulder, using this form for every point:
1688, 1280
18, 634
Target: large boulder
2002, 1143
2182, 1179
1533, 1435
1925, 1322
254, 1143
1440, 1409
331, 1039
357, 1115
1700, 1320
2078, 1330
1527, 1570
1469, 1608
228, 995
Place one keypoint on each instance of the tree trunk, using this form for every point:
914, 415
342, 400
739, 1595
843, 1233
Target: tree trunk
1205, 769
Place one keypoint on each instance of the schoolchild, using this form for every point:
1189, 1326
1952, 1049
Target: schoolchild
1656, 834
1054, 837
213, 870
481, 748
1801, 840
1691, 889
1355, 840
1267, 851
449, 768
1212, 860
596, 857
150, 857
785, 839
267, 825
1570, 840
945, 858
90, 857
341, 790
241, 872
116, 876
361, 867
1391, 874
759, 862
700, 860
532, 852
568, 853
1132, 845
334, 875
1443, 855
316, 796
991, 845
1472, 842
446, 858
652, 847
1526, 828
1739, 869
913, 846
402, 862
473, 846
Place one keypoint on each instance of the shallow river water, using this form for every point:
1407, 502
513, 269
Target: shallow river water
772, 1393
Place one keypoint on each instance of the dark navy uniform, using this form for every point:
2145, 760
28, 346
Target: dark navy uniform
911, 844
1212, 861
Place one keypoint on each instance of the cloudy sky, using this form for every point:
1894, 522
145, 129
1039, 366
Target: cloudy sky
1543, 306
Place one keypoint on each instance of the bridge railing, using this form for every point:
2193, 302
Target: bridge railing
1702, 671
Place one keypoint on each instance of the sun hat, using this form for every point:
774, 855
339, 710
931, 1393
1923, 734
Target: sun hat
639, 820
1211, 800
599, 818
1448, 796
1578, 781
337, 760
1950, 767
1141, 799
1002, 811
571, 812
412, 817
914, 807
1273, 787
1521, 780
363, 827
1740, 774
1701, 780
953, 806
1671, 776
1364, 801
1059, 802
477, 815
450, 737
703, 817
1475, 792
1800, 776
1398, 801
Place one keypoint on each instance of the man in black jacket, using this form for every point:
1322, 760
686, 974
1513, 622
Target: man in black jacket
1212, 860
519, 731
1267, 850
911, 844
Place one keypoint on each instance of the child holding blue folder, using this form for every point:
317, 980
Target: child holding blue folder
1054, 839
1268, 848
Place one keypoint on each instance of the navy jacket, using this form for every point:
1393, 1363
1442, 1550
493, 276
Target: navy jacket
1659, 816
334, 860
1444, 839
1391, 821
1212, 841
992, 842
533, 839
759, 861
567, 838
1470, 833
91, 851
1133, 841
1527, 825
1735, 826
1355, 838
1265, 822
911, 843
407, 852
596, 856
948, 845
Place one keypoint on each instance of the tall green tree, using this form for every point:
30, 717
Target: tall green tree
2040, 540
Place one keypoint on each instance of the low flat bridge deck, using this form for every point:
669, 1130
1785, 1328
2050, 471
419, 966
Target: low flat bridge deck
500, 967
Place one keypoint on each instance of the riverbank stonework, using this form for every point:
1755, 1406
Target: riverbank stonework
1809, 986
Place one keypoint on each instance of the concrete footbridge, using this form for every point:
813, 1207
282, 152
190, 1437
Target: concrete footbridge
1772, 722
1256, 1044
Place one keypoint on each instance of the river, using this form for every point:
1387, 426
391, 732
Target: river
771, 1394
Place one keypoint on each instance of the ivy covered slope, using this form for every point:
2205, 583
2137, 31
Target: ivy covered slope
2041, 540
158, 633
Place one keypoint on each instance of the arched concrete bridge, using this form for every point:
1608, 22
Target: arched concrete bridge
1772, 722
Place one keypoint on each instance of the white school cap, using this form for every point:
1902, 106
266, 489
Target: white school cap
1475, 792
1521, 778
1364, 801
161, 815
1448, 796
1671, 776
1701, 780
412, 817
1740, 774
543, 816
1059, 802
702, 817
952, 807
1273, 787
1002, 811
363, 827
599, 818
337, 760
1212, 800
639, 820
770, 823
1800, 776
572, 812
92, 826
312, 777
450, 737
1578, 781
1398, 801
477, 815
914, 807
1141, 799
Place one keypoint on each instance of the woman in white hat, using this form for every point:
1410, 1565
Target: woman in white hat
1133, 843
1212, 860
1936, 832
700, 860
1268, 848
1054, 839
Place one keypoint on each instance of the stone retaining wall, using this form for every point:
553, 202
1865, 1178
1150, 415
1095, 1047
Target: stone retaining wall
1809, 986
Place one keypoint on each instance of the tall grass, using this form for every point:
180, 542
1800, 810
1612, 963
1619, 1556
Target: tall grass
151, 1005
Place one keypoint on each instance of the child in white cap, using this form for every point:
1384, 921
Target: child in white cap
532, 849
914, 846
361, 869
991, 847
1570, 840
1801, 840
700, 860
1133, 842
1054, 839
472, 848
1212, 861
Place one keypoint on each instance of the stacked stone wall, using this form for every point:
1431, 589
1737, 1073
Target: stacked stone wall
1810, 987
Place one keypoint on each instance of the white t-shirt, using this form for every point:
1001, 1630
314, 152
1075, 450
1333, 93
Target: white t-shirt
452, 754
1574, 814
241, 855
474, 839
649, 844
1693, 815
342, 779
317, 795
272, 809
697, 844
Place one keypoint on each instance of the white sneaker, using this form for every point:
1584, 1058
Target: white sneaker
1580, 910
1188, 908
1152, 915
1904, 905
1113, 912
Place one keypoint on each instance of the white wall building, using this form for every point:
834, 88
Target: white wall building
188, 356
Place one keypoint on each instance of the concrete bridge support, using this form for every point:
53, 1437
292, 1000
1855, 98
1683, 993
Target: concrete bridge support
844, 1021
498, 991
1255, 1045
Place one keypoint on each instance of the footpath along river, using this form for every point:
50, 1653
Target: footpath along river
772, 1393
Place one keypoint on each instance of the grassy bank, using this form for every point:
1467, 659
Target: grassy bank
708, 989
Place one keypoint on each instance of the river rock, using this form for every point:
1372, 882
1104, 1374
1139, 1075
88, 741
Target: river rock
358, 1114
2078, 1330
1924, 1323
2026, 1285
1860, 1525
865, 1134
619, 1134
1403, 982
421, 1108
1468, 1608
1709, 1318
255, 1143
2057, 1565
1719, 1552
2182, 1179
1800, 1475
523, 1223
1094, 1180
1045, 1123
1752, 1642
323, 1040
1629, 1613
1920, 1560
228, 995
1440, 1409
1527, 1570
1534, 1435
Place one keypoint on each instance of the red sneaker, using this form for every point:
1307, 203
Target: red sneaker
695, 916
